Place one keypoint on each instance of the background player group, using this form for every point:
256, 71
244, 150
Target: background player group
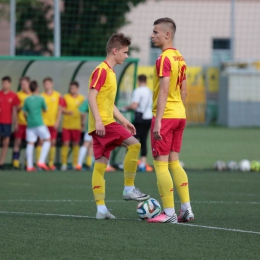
168, 123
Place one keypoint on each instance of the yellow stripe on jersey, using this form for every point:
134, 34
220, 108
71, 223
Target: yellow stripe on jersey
22, 96
72, 122
170, 64
53, 102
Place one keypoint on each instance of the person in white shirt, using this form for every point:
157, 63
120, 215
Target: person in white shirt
142, 105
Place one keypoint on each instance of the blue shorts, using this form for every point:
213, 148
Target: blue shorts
5, 130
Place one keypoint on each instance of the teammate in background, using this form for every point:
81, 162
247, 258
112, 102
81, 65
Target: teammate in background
71, 125
106, 132
142, 105
20, 134
168, 123
33, 107
86, 147
51, 118
8, 113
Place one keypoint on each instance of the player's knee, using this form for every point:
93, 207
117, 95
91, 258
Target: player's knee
134, 147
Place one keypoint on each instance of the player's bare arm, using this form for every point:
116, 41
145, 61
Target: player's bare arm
130, 127
132, 106
58, 117
161, 103
15, 121
82, 120
183, 91
92, 99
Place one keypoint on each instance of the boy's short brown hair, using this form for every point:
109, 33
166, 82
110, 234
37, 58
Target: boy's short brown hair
117, 40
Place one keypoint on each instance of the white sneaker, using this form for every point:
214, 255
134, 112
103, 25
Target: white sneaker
64, 167
106, 215
186, 216
135, 194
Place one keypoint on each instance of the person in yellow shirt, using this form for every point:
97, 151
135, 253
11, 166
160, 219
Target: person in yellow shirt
71, 124
20, 130
51, 118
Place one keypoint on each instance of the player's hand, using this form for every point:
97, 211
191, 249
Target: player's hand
70, 113
157, 130
130, 127
122, 109
100, 129
56, 126
82, 126
16, 127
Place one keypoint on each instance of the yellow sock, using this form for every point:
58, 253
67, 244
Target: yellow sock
180, 181
89, 160
98, 183
38, 153
130, 164
164, 183
52, 155
16, 163
64, 154
75, 155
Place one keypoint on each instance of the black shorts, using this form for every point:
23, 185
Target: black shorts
5, 130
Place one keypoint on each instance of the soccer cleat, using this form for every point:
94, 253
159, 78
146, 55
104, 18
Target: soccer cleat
186, 216
78, 167
31, 169
52, 168
141, 169
135, 194
149, 168
163, 218
42, 166
110, 169
64, 167
106, 215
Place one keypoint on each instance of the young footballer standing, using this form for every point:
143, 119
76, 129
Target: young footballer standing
106, 132
168, 123
33, 107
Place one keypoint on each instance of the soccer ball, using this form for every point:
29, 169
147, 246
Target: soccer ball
232, 166
244, 166
255, 166
220, 166
148, 209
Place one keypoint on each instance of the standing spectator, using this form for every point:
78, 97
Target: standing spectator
21, 131
8, 113
142, 105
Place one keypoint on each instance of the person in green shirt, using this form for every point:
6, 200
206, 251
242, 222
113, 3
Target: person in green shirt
33, 107
86, 147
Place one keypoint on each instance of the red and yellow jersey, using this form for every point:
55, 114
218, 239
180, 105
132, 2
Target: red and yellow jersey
71, 103
22, 96
103, 79
170, 64
53, 101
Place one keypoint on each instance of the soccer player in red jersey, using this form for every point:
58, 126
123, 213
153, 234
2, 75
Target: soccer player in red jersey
168, 123
8, 114
106, 132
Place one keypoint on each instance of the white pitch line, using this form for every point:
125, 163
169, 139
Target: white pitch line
90, 217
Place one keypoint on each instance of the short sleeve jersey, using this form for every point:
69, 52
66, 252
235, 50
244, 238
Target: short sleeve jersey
71, 103
53, 101
170, 64
7, 102
33, 106
103, 79
22, 96
84, 108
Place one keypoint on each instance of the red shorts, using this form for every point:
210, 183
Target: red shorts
71, 135
53, 132
115, 135
21, 132
171, 132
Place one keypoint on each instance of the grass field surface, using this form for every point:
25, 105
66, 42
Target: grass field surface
50, 215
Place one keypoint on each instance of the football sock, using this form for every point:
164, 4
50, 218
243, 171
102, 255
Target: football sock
98, 183
82, 153
130, 164
64, 154
185, 206
180, 181
29, 155
128, 188
102, 208
75, 154
44, 152
169, 211
38, 152
89, 160
52, 155
16, 161
164, 183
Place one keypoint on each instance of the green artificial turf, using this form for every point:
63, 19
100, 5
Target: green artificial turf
50, 215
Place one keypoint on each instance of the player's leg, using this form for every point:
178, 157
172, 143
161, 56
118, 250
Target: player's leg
83, 151
44, 135
66, 137
89, 158
5, 133
76, 135
179, 175
161, 151
52, 152
31, 138
19, 136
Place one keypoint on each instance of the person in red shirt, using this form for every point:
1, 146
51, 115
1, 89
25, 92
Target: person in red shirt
8, 113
